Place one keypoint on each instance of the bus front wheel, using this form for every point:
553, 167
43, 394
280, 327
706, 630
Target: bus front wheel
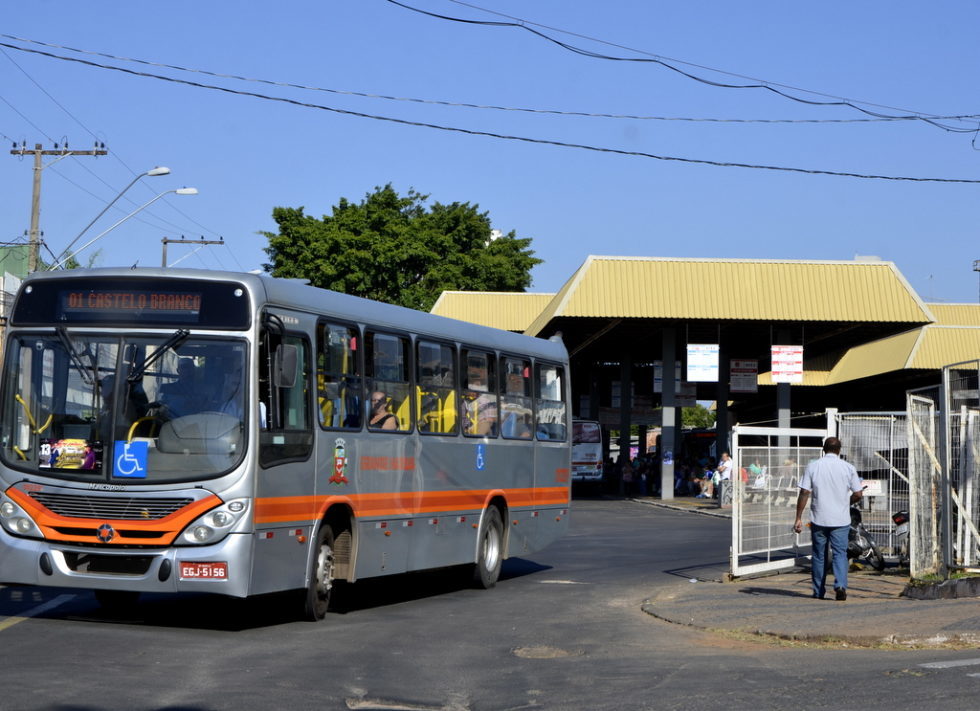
321, 581
490, 550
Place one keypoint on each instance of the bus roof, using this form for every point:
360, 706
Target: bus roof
298, 294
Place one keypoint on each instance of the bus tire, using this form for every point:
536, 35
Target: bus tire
321, 580
490, 549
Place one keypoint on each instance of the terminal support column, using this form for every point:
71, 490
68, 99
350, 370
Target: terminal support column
668, 431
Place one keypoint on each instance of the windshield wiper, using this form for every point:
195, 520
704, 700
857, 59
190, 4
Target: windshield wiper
88, 374
174, 342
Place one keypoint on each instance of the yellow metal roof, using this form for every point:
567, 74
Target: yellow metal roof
954, 338
742, 289
511, 311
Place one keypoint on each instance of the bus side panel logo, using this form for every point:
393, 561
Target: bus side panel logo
129, 460
339, 463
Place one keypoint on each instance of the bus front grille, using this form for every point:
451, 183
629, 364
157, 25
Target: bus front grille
108, 564
109, 507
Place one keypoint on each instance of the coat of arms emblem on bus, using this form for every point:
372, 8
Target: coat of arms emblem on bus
339, 462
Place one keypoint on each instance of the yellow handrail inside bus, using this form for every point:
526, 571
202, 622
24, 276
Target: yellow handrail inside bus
137, 423
20, 453
30, 417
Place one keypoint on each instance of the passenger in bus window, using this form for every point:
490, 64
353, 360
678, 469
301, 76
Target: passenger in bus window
380, 418
481, 406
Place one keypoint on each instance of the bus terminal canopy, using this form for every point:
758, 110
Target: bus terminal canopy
617, 309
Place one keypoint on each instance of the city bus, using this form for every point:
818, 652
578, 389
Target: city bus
587, 453
171, 431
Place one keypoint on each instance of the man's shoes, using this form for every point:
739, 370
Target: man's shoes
818, 597
841, 593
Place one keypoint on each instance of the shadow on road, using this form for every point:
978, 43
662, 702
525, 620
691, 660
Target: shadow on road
220, 613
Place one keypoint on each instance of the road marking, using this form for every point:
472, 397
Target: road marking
35, 611
953, 663
561, 582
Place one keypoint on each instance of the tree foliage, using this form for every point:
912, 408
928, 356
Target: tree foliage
697, 417
393, 248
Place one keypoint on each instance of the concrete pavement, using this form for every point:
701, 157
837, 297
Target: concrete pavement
781, 606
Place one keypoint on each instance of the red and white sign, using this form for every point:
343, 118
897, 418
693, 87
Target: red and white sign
787, 364
744, 376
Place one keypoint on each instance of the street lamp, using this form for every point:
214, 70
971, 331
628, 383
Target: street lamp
159, 170
178, 191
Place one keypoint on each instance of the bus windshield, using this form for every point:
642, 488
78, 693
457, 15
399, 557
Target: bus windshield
586, 432
124, 409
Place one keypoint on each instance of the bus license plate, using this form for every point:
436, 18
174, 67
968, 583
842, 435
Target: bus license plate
203, 571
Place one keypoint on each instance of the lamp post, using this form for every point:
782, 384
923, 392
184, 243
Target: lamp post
178, 191
159, 170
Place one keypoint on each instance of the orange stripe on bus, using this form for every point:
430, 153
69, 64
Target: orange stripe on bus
167, 528
311, 508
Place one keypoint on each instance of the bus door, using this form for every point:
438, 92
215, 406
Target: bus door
285, 510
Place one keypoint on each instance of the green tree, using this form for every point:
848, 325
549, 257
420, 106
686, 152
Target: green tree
393, 248
697, 417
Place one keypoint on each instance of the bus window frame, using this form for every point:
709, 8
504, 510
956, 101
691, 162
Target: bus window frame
536, 387
492, 382
266, 430
326, 321
454, 388
528, 394
371, 330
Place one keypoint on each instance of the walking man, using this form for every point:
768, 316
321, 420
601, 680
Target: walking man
833, 485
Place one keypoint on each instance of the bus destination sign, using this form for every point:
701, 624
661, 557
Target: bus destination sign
103, 304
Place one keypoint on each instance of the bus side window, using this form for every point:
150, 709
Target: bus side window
288, 430
436, 378
387, 394
550, 394
515, 398
338, 377
478, 403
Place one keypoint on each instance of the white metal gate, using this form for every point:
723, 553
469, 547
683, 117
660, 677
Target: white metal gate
768, 464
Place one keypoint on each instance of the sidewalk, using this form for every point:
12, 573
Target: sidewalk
782, 606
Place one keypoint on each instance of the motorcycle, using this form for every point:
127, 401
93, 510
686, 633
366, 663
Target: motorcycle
861, 545
901, 519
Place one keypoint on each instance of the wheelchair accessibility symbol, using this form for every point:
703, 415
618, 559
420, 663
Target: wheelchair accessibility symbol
481, 457
130, 460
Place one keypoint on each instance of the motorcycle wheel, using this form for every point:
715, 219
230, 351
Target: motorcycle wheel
875, 558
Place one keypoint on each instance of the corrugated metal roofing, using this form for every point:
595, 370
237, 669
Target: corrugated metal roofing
736, 289
956, 314
511, 311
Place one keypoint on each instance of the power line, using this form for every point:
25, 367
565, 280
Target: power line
89, 170
762, 84
488, 134
469, 105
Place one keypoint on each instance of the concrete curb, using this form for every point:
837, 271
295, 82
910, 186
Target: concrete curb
946, 590
717, 513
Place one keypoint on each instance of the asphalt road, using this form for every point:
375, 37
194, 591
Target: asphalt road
562, 630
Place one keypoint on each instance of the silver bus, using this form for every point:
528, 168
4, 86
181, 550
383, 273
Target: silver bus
168, 430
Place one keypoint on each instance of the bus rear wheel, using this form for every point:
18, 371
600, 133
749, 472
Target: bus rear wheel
321, 580
489, 550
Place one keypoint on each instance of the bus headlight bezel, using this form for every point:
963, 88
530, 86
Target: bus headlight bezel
16, 521
215, 524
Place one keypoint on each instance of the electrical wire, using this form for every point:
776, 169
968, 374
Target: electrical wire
86, 168
488, 134
459, 104
773, 87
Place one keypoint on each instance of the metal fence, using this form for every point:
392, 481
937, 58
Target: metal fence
944, 468
770, 462
876, 443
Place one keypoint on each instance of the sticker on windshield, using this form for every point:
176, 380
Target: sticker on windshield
129, 460
69, 454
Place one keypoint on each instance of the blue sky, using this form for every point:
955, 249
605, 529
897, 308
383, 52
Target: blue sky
248, 155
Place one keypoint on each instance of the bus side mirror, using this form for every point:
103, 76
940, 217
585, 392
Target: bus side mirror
285, 365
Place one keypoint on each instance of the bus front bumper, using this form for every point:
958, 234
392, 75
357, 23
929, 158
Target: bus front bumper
223, 568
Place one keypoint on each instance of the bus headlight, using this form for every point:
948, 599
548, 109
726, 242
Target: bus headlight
216, 523
16, 521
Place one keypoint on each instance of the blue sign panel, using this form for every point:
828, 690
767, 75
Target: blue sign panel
129, 459
481, 457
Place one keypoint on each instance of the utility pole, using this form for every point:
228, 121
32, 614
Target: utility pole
976, 265
37, 152
172, 240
